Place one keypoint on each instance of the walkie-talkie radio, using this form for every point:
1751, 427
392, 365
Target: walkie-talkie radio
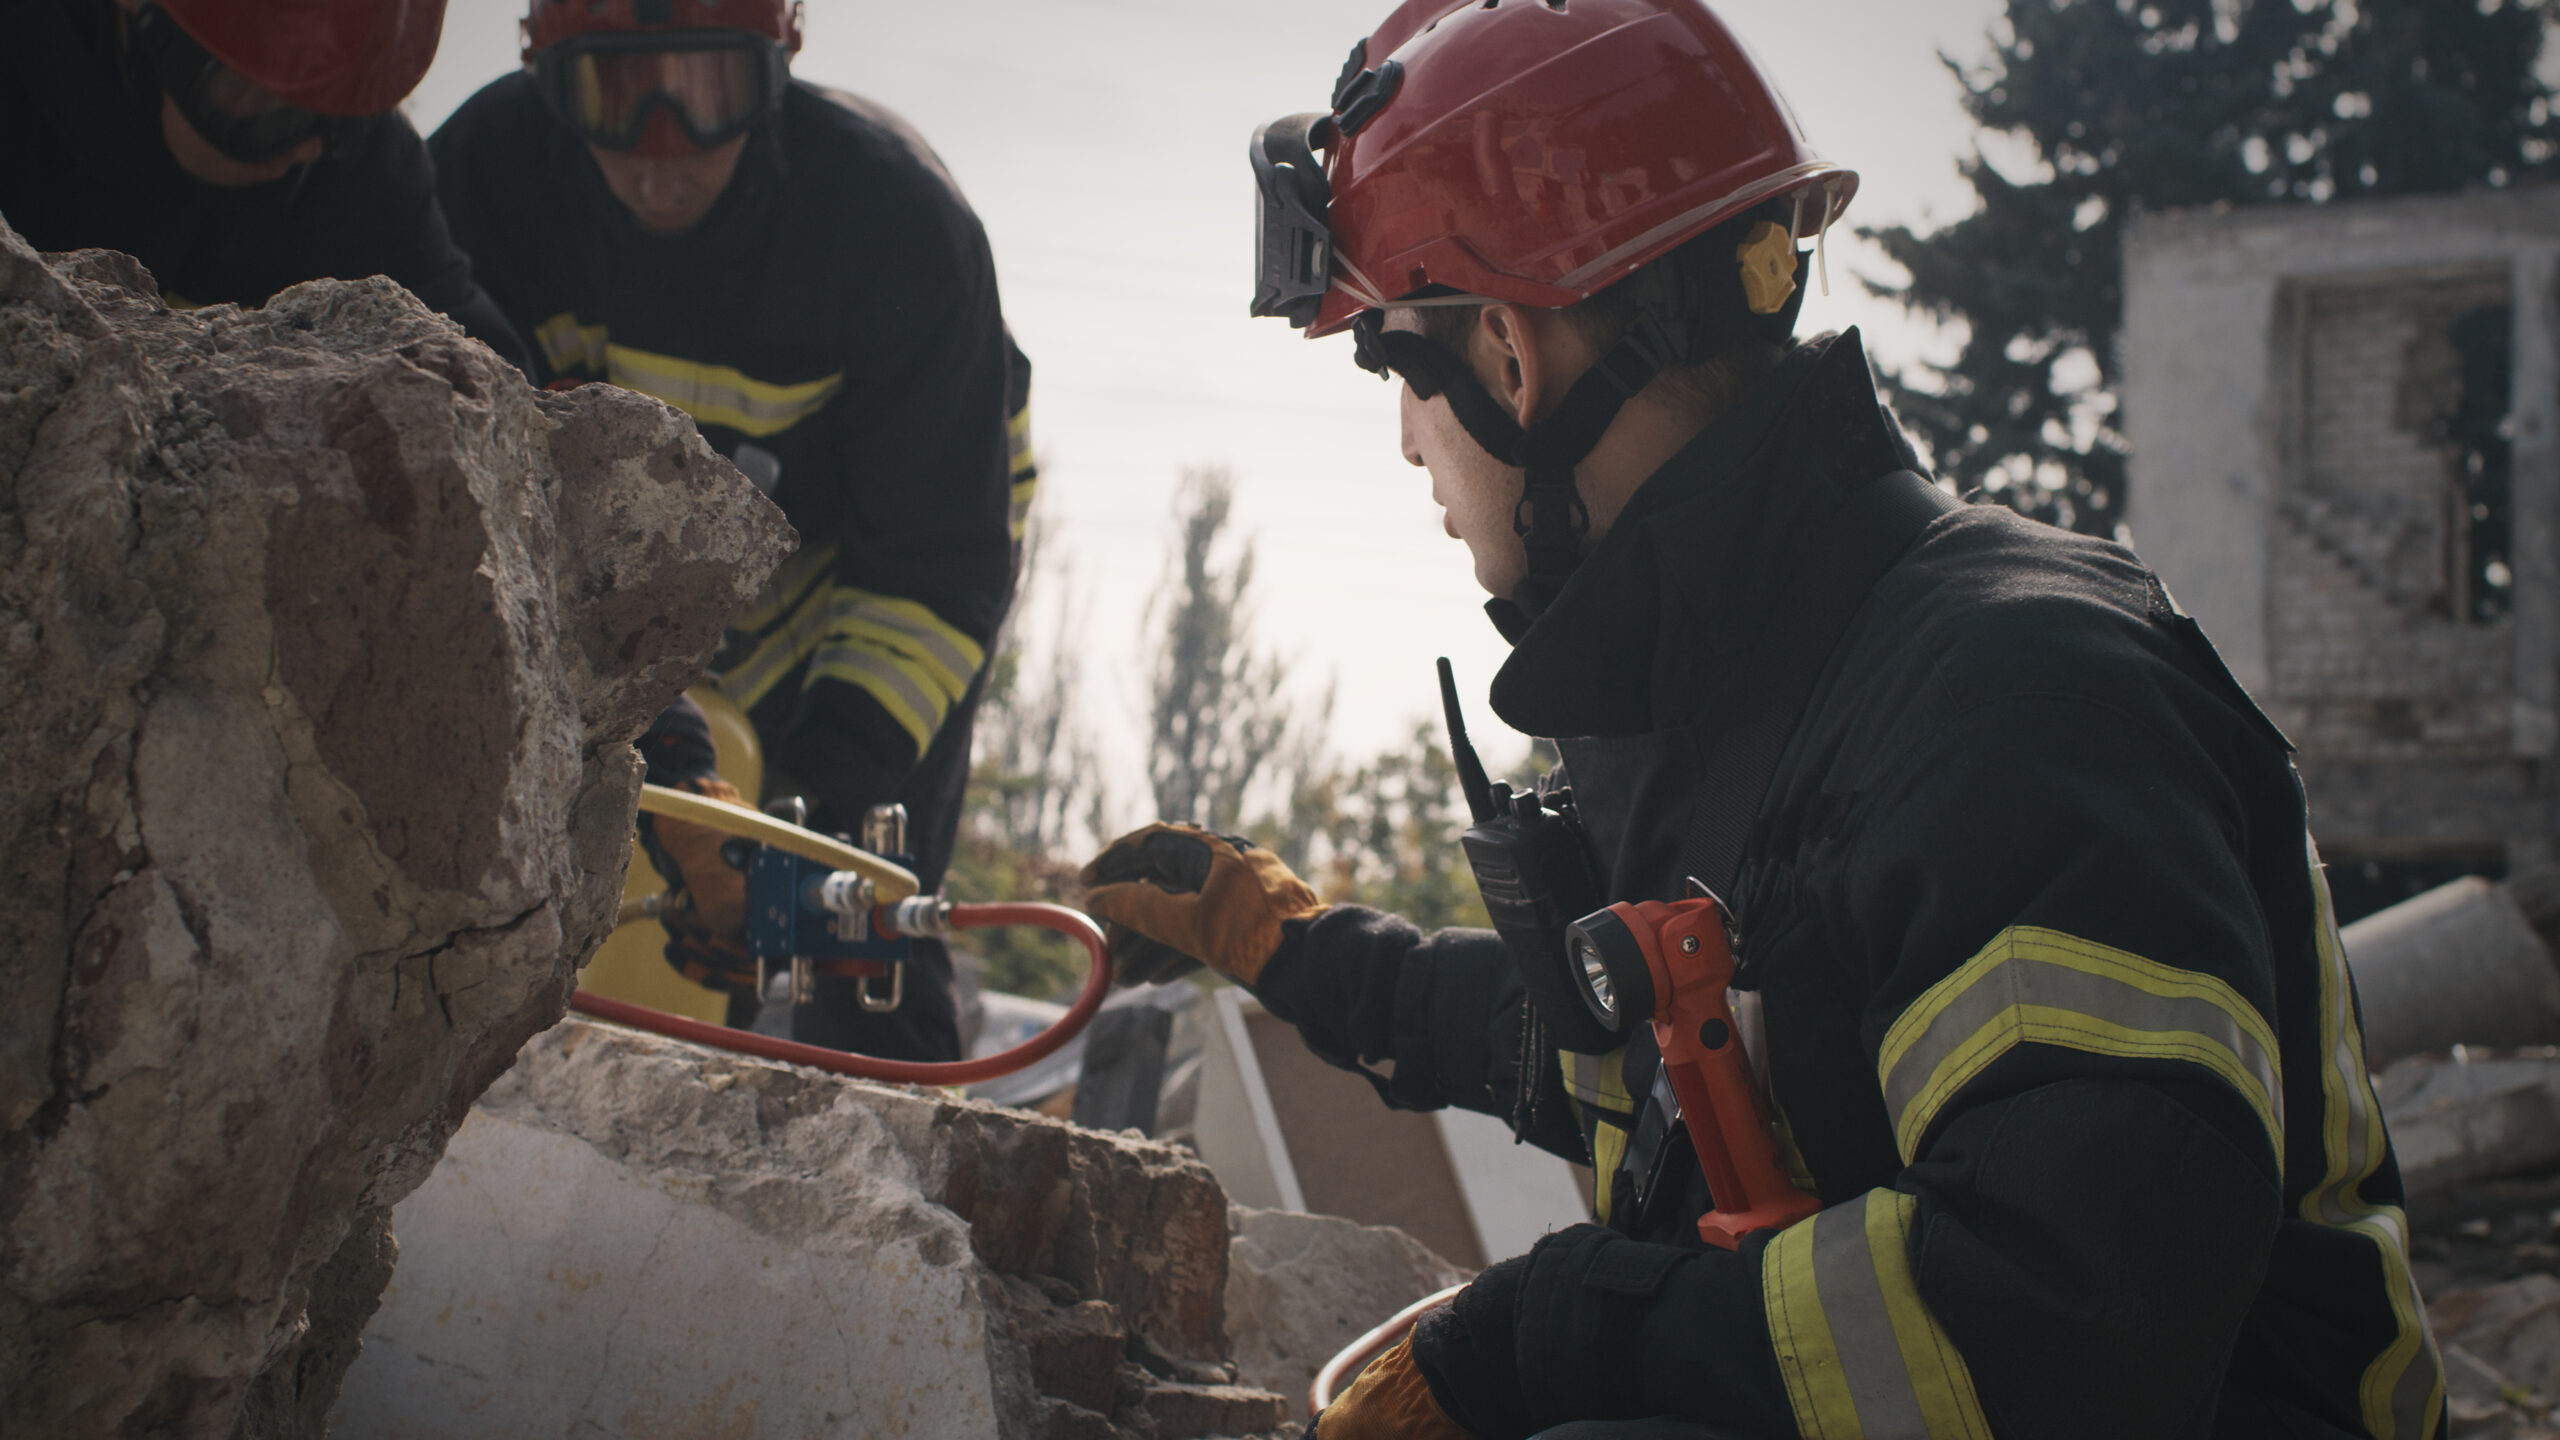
1535, 877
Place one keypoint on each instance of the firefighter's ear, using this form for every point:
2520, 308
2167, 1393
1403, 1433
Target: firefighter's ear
1527, 357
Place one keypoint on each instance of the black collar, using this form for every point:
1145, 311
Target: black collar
1660, 618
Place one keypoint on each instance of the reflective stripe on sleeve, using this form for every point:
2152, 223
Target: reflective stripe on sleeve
2402, 1391
568, 345
2038, 986
784, 645
1862, 1356
719, 394
787, 588
1597, 1079
916, 664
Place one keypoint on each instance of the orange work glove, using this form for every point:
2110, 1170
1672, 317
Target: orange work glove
706, 920
1390, 1401
1175, 896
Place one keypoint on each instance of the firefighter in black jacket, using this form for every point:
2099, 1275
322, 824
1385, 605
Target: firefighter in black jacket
657, 204
2031, 941
234, 150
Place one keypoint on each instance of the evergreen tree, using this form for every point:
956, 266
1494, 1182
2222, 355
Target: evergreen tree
1215, 710
2166, 104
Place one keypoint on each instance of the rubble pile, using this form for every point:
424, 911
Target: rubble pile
325, 639
1302, 1287
633, 1235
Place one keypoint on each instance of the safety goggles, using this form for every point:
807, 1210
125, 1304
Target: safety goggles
715, 84
1291, 194
233, 113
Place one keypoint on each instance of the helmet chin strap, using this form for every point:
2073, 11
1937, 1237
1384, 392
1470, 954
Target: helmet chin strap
1550, 517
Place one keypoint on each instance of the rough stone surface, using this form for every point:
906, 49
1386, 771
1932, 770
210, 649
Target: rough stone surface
2457, 1121
1301, 1287
2501, 1347
324, 637
634, 1232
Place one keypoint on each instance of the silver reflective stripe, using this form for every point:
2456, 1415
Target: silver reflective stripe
853, 612
773, 657
2039, 986
889, 681
2401, 1394
1861, 1326
1860, 1353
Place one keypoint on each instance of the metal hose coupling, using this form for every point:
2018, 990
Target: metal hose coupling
921, 916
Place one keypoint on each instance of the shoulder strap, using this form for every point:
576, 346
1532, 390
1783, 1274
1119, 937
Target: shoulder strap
1869, 533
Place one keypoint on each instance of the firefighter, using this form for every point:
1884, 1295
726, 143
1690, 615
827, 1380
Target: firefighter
233, 150
2032, 943
658, 204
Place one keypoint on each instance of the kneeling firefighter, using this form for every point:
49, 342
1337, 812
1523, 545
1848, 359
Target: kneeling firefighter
2032, 952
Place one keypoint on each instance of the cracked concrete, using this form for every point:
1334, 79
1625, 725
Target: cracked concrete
324, 637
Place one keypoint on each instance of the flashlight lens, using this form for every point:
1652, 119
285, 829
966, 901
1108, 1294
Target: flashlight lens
1595, 976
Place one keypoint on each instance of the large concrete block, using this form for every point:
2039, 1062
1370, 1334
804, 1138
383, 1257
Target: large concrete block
323, 639
636, 1236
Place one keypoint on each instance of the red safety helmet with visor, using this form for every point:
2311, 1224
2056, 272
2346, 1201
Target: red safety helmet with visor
258, 80
1538, 152
711, 68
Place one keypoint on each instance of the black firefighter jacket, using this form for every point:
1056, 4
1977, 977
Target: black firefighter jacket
833, 327
85, 168
2053, 1011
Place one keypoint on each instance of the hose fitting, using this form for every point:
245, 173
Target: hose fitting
919, 916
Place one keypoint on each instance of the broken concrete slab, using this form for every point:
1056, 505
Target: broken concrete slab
630, 1226
325, 638
2469, 1116
1301, 1287
2461, 964
2501, 1346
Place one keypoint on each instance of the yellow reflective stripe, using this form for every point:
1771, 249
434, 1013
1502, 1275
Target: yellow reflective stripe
1862, 1357
1597, 1079
787, 587
774, 656
569, 345
720, 394
941, 652
2032, 985
1021, 516
896, 691
915, 663
1017, 441
2402, 1391
1608, 1152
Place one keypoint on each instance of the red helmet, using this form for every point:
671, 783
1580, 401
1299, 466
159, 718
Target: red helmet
1534, 152
331, 57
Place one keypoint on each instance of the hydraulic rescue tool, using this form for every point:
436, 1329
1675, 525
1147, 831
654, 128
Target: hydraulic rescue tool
823, 907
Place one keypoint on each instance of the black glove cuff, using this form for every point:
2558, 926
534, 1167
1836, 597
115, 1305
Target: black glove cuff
1579, 1341
1285, 972
1464, 1351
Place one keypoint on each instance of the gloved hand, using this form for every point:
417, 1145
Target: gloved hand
706, 918
1390, 1401
1175, 896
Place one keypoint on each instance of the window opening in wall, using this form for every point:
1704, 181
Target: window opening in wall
2482, 486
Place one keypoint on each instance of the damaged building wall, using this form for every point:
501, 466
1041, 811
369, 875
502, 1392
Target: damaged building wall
2342, 420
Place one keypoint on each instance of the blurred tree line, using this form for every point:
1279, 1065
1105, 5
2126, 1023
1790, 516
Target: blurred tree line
2119, 106
1228, 748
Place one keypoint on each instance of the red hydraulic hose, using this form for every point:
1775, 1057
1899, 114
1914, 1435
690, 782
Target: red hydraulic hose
1073, 923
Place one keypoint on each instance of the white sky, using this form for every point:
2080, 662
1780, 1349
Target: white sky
1103, 143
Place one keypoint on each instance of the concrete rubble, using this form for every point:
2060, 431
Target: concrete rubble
1301, 1287
639, 1236
2501, 1347
325, 638
2467, 1117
